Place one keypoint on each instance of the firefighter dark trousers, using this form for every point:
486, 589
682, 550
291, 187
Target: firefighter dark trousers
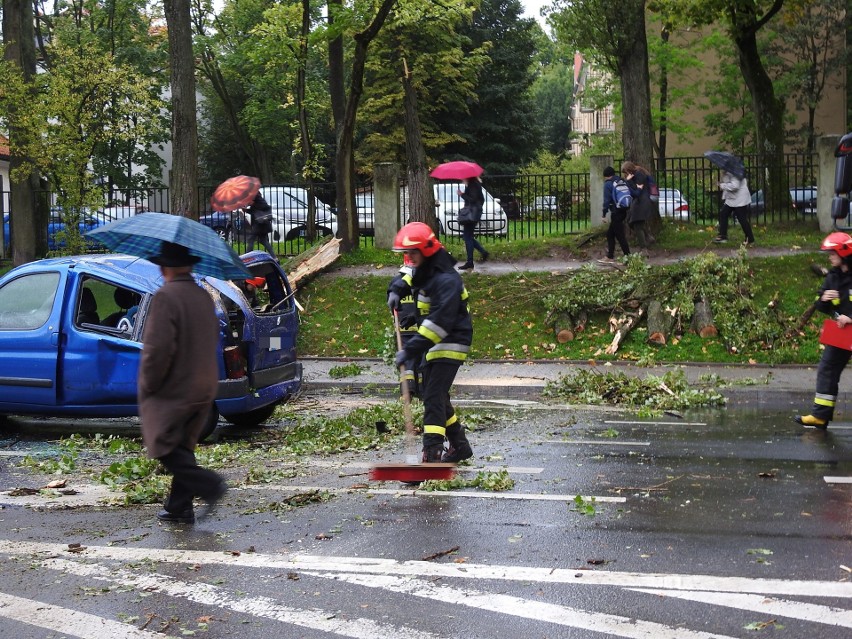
438, 412
831, 366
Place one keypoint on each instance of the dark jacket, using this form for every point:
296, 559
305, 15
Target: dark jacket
445, 328
407, 313
643, 206
609, 203
474, 198
179, 369
260, 215
840, 281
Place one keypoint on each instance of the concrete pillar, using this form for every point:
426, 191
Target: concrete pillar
386, 203
597, 163
825, 180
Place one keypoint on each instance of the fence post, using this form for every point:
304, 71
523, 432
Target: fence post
825, 180
597, 164
385, 203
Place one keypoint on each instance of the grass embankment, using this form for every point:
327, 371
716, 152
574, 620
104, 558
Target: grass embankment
347, 316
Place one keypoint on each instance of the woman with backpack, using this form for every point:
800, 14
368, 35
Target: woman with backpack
617, 199
642, 188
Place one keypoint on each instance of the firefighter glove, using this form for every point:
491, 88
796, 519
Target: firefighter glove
393, 301
407, 321
400, 358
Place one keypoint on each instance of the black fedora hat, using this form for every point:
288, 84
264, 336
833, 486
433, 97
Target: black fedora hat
172, 254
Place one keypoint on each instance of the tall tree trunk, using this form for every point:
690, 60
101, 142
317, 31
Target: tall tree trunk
768, 109
345, 162
421, 197
29, 217
304, 131
183, 181
664, 105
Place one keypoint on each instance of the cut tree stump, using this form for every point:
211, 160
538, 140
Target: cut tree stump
622, 327
582, 320
563, 327
660, 321
702, 320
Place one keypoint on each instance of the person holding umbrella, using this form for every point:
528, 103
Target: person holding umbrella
474, 199
243, 191
260, 215
178, 380
735, 195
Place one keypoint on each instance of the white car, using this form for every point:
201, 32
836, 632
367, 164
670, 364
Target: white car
448, 203
290, 212
673, 206
365, 207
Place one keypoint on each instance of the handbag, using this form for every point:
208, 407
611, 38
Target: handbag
466, 215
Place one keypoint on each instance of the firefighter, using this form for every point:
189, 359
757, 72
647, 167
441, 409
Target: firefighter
444, 335
834, 298
401, 301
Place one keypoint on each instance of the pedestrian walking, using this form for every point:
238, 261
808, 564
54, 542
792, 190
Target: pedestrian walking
443, 339
178, 380
835, 299
642, 186
735, 201
616, 200
260, 219
474, 199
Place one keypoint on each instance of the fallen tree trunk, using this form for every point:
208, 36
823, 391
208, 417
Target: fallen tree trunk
582, 320
563, 327
702, 319
623, 326
314, 261
660, 321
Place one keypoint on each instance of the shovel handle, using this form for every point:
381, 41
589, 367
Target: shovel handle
403, 383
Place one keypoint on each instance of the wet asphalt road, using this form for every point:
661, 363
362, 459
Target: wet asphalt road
719, 524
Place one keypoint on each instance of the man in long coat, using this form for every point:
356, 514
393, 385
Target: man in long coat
178, 377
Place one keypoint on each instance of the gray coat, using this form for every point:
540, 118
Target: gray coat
179, 371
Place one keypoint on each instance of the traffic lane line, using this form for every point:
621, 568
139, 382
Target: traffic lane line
837, 480
394, 567
257, 606
605, 623
66, 621
512, 470
766, 605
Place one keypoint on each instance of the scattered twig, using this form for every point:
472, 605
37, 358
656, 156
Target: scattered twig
440, 554
618, 489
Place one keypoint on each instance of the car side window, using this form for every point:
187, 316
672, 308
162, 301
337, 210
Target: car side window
26, 302
103, 305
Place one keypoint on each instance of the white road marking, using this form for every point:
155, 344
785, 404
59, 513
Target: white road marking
512, 470
610, 625
764, 605
257, 606
87, 495
592, 442
838, 480
415, 492
393, 567
644, 423
69, 622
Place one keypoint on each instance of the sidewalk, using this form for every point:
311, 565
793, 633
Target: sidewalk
753, 386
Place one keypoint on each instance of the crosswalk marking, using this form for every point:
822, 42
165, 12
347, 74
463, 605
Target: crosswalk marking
610, 625
393, 567
257, 606
69, 622
765, 605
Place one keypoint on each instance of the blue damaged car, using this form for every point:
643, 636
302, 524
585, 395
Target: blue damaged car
71, 338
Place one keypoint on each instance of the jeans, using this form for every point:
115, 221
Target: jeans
471, 242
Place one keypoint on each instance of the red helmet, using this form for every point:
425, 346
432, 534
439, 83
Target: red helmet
417, 235
840, 243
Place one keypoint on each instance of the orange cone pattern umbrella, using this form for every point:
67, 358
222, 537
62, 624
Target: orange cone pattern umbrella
235, 193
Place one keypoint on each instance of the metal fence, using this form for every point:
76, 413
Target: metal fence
534, 205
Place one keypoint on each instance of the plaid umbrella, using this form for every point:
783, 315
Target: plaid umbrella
142, 235
727, 162
234, 193
459, 170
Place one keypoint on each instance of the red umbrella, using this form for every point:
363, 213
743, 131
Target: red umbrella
459, 170
234, 193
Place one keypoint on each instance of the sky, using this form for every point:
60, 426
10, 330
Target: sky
531, 9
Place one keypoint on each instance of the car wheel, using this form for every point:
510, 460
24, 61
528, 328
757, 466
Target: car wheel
222, 232
252, 418
324, 231
210, 424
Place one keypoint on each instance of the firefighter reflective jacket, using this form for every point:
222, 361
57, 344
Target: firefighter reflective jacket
840, 281
445, 329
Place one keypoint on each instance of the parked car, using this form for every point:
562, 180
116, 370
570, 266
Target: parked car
672, 205
545, 204
71, 338
55, 228
289, 216
449, 202
803, 200
365, 207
